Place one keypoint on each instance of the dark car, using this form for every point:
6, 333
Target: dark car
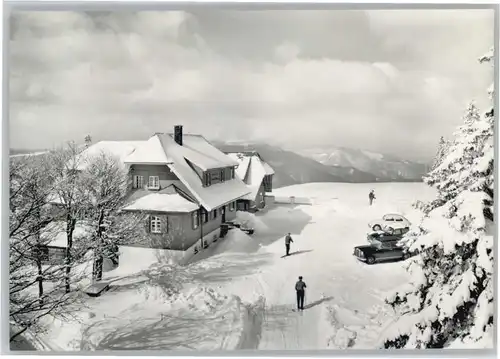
383, 247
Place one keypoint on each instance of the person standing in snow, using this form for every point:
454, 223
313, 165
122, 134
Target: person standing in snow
288, 240
371, 196
300, 288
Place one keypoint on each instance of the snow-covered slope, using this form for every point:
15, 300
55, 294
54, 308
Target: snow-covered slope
382, 166
239, 293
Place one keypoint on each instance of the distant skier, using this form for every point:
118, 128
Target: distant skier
288, 240
300, 288
371, 196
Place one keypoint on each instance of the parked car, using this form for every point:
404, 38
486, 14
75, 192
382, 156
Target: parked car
387, 235
389, 221
383, 245
382, 251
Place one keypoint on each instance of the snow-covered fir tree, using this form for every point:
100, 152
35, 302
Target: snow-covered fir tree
449, 302
441, 152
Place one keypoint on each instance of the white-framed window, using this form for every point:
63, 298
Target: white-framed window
204, 214
231, 171
138, 181
196, 219
214, 214
231, 206
154, 182
222, 175
155, 224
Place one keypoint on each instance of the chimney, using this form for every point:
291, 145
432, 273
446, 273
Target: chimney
178, 134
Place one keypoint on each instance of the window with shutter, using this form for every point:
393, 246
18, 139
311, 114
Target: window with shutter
195, 219
208, 179
155, 224
138, 181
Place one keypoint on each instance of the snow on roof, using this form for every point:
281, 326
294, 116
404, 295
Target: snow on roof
149, 152
269, 169
199, 144
252, 170
117, 149
243, 163
195, 148
167, 200
209, 197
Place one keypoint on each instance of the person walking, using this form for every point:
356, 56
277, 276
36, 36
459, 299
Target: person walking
371, 196
300, 288
288, 240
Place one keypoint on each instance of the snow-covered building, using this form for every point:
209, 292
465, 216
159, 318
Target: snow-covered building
185, 186
257, 176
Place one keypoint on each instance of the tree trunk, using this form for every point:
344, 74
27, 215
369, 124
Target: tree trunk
40, 276
98, 257
70, 223
38, 260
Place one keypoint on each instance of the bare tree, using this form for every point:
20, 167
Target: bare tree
67, 195
31, 229
105, 182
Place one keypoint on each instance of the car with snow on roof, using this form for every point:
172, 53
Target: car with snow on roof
389, 221
383, 246
387, 235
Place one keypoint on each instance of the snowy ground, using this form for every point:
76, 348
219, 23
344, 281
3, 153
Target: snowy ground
239, 293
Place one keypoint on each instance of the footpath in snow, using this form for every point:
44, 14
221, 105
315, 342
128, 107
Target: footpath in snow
239, 293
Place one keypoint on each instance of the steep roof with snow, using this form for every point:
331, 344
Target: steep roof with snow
195, 151
252, 170
149, 152
170, 199
117, 149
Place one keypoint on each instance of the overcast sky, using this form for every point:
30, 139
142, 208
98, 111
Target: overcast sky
387, 81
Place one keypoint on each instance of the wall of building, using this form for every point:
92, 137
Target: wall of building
180, 234
260, 200
268, 183
162, 171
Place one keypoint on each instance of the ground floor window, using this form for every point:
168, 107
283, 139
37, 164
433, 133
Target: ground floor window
195, 219
232, 206
155, 224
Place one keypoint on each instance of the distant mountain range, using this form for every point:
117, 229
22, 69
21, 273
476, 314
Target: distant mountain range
385, 167
294, 168
332, 164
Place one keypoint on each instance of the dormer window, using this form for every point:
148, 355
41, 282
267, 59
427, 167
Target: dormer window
222, 175
154, 182
207, 179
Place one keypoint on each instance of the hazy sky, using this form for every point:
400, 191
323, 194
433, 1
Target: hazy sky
388, 81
